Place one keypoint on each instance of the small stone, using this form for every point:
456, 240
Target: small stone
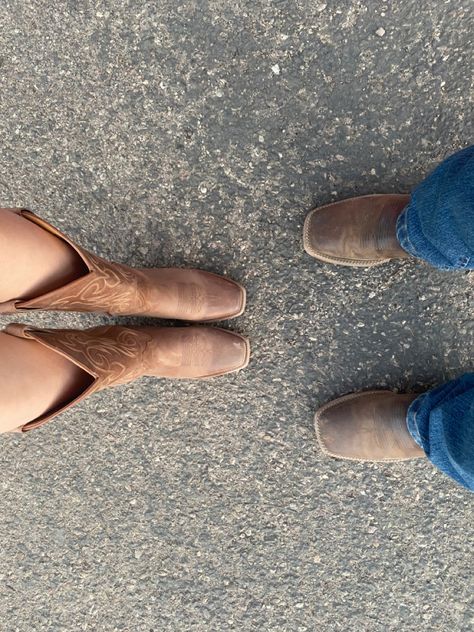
380, 32
276, 69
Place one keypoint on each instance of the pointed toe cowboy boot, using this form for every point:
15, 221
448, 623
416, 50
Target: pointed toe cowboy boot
359, 232
367, 426
115, 355
117, 289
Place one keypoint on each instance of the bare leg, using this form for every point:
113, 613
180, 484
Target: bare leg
32, 261
34, 379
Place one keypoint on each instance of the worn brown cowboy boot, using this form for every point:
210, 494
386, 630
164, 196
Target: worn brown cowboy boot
114, 355
357, 232
370, 426
114, 288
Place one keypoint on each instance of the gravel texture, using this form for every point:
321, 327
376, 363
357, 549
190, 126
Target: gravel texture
199, 133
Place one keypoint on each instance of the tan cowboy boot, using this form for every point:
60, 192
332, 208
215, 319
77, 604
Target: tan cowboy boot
356, 232
114, 288
116, 355
370, 426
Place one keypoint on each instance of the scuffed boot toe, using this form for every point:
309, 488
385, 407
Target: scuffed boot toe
369, 426
358, 232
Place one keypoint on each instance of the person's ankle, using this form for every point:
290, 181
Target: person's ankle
37, 261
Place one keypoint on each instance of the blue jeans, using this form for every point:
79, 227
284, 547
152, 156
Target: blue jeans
442, 423
438, 223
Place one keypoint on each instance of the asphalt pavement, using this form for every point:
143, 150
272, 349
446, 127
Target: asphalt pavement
199, 133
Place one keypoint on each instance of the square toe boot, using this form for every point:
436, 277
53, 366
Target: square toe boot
116, 355
359, 232
113, 288
367, 426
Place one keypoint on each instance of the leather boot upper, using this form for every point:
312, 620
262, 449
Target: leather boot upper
356, 232
114, 355
370, 426
114, 288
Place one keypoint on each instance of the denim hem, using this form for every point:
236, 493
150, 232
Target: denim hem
463, 262
403, 237
411, 420
402, 234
